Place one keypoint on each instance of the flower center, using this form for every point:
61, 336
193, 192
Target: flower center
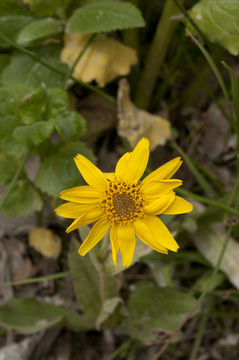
123, 203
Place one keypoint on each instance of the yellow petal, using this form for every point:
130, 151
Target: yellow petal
137, 162
158, 206
85, 219
126, 239
165, 171
161, 235
143, 232
114, 243
122, 165
74, 210
81, 194
179, 206
154, 189
110, 176
92, 175
97, 232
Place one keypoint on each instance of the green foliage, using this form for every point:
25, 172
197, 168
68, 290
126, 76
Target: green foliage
58, 170
38, 29
28, 316
33, 134
32, 106
151, 309
218, 20
104, 16
46, 7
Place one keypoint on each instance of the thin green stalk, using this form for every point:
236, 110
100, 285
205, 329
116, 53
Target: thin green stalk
15, 178
157, 53
207, 201
52, 68
199, 336
217, 74
205, 185
72, 68
38, 279
231, 197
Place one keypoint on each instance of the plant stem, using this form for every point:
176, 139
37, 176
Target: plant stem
208, 201
52, 68
72, 68
38, 279
14, 180
157, 53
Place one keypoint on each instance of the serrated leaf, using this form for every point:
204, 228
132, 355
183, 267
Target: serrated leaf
28, 316
104, 16
153, 309
70, 125
32, 106
25, 71
12, 19
33, 134
38, 29
57, 102
58, 171
218, 20
23, 200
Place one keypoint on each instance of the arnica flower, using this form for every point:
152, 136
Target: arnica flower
123, 204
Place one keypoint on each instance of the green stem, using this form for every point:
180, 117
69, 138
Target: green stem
72, 68
15, 178
157, 53
207, 201
38, 279
52, 68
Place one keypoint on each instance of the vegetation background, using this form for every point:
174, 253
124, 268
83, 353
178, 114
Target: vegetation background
93, 77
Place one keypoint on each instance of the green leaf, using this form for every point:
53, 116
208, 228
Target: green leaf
108, 308
155, 309
12, 19
38, 29
57, 102
8, 166
58, 170
27, 72
33, 134
28, 316
23, 200
218, 20
70, 125
32, 106
46, 7
104, 16
86, 282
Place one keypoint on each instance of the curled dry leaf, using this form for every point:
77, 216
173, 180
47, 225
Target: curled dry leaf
135, 123
45, 242
103, 60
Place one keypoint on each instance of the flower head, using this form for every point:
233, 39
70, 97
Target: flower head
123, 204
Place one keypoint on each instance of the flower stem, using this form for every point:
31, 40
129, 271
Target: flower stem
157, 53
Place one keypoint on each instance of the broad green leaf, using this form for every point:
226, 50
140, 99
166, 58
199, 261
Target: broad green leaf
38, 29
108, 308
218, 20
33, 134
27, 72
4, 61
153, 309
86, 282
23, 200
58, 170
8, 167
32, 106
12, 19
104, 16
7, 144
28, 316
70, 125
46, 7
57, 102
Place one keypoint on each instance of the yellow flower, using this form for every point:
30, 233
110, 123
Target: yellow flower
123, 204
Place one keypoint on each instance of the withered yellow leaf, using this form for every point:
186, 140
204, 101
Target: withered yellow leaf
135, 123
103, 60
45, 242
